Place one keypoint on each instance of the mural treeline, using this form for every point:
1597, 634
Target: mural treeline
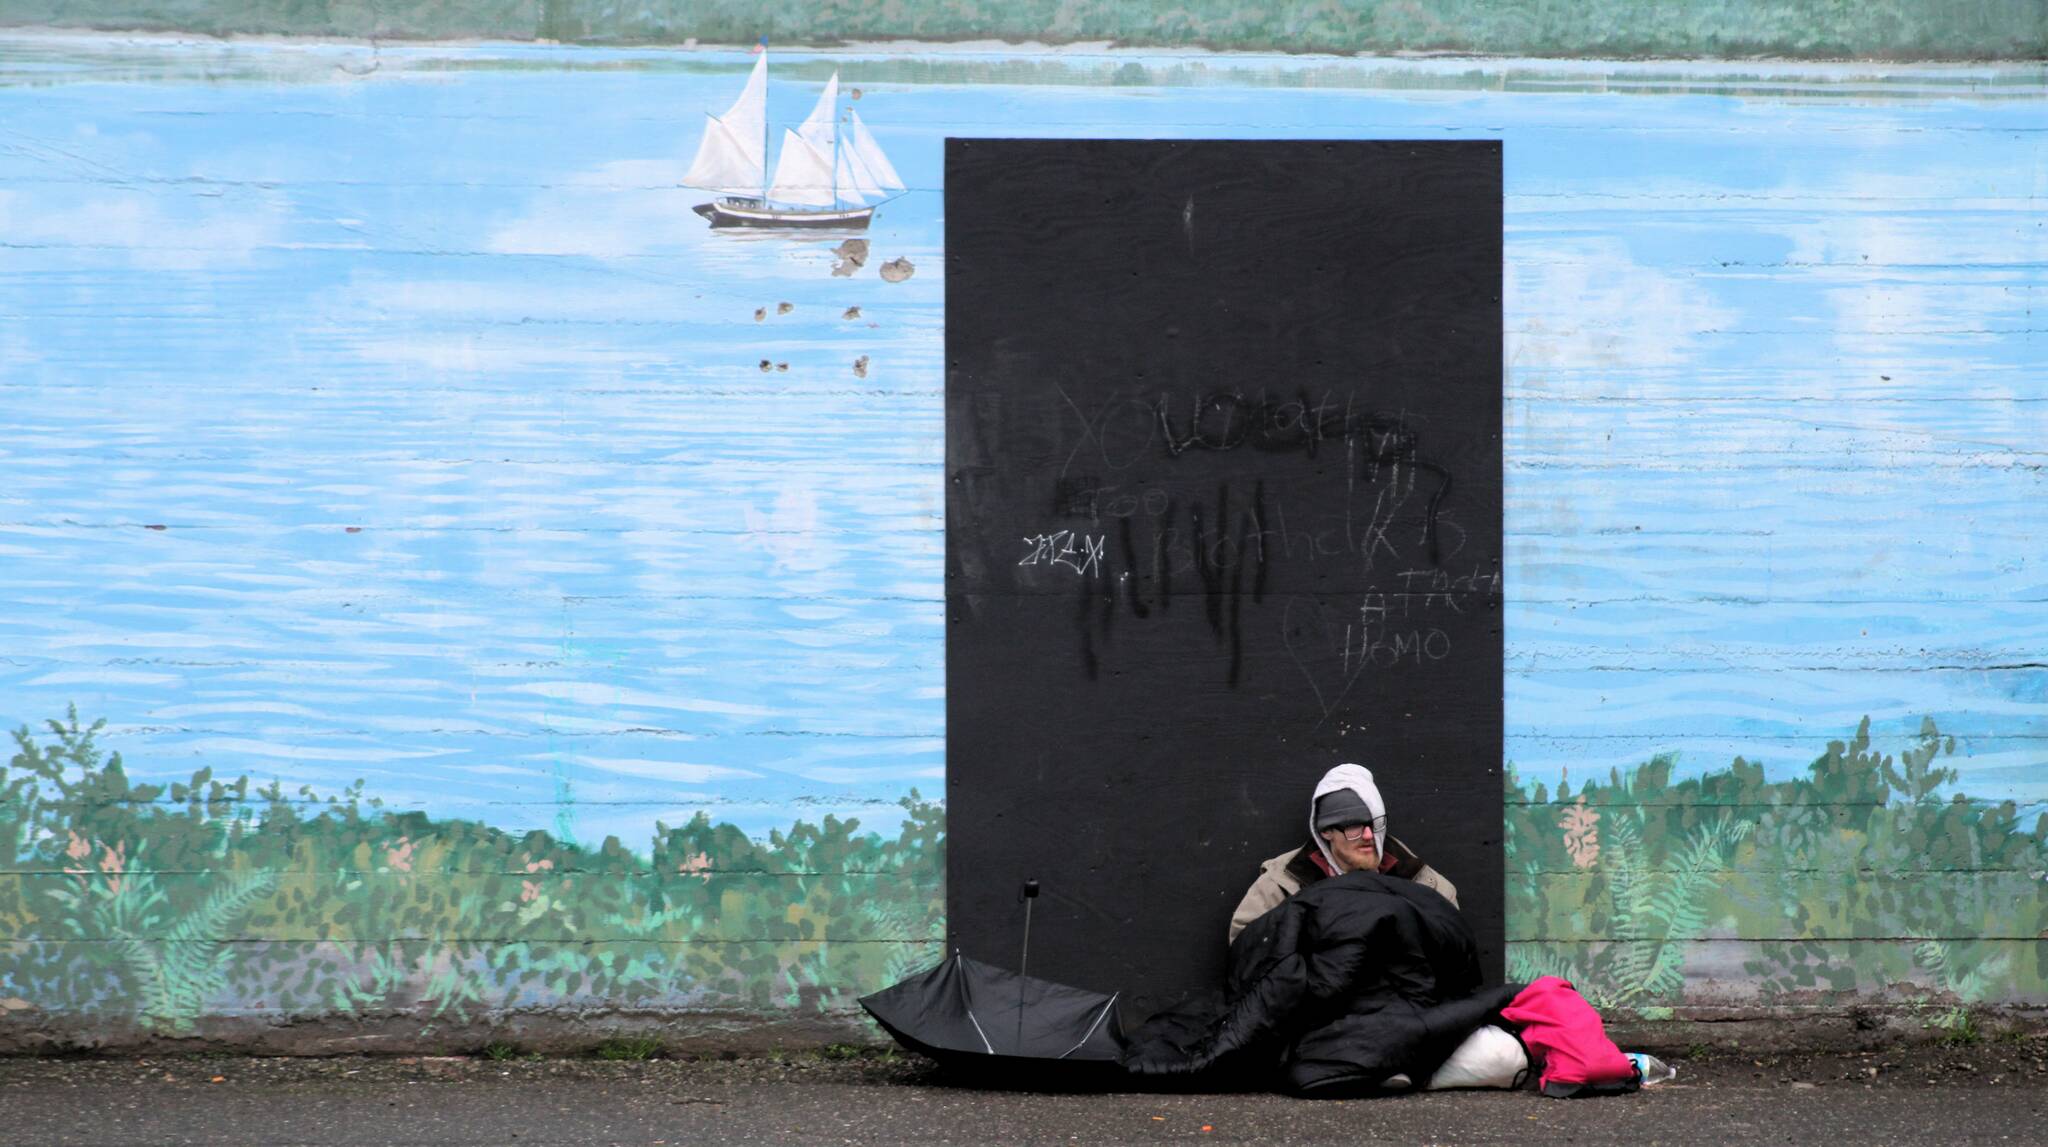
169, 904
1810, 29
1868, 880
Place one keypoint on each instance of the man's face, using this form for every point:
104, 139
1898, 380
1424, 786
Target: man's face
1354, 847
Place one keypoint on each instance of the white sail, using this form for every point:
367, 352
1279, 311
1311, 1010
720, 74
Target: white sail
869, 155
803, 174
724, 163
855, 182
733, 158
819, 128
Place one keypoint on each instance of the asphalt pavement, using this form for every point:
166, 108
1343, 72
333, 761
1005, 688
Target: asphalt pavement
1992, 1092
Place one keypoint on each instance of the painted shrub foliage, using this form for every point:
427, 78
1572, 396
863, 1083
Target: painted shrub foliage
169, 904
1867, 878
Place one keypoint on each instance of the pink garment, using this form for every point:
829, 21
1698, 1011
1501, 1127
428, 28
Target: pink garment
1564, 1033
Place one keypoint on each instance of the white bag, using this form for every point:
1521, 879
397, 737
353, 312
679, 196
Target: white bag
1489, 1057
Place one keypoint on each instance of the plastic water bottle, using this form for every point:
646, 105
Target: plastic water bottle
1653, 1070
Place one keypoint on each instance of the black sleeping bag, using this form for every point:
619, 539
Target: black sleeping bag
1351, 981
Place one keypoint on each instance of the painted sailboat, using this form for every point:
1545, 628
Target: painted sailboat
826, 176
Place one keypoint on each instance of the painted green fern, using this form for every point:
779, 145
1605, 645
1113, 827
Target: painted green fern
1656, 910
380, 972
176, 974
1533, 961
1960, 978
907, 930
1678, 906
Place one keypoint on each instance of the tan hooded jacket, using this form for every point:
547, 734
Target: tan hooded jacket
1285, 874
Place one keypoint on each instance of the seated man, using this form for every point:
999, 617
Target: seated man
1347, 823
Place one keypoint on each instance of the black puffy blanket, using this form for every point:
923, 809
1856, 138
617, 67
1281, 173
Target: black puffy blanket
1351, 981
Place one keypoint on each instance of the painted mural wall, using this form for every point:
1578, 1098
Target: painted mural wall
444, 585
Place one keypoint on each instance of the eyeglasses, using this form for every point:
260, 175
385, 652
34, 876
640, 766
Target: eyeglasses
1356, 832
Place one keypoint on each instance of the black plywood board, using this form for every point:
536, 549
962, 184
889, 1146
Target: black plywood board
1223, 464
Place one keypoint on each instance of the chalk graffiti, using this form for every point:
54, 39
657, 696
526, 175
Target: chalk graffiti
1058, 549
1127, 427
1384, 648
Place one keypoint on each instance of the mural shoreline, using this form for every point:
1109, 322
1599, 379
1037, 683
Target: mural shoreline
1893, 29
318, 59
212, 910
144, 910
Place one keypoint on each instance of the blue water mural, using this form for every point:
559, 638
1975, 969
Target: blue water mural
386, 414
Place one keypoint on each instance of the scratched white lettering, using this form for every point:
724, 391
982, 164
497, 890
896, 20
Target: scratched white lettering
1381, 641
1081, 553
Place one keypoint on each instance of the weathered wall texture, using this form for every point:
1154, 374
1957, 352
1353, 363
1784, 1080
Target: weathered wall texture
1712, 29
518, 610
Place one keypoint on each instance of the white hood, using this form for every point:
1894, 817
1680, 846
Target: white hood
1358, 779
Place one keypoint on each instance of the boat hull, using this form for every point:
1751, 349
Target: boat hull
753, 213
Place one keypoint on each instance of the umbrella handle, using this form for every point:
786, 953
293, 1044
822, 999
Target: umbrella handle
1030, 897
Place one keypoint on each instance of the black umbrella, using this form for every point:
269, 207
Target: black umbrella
970, 1015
